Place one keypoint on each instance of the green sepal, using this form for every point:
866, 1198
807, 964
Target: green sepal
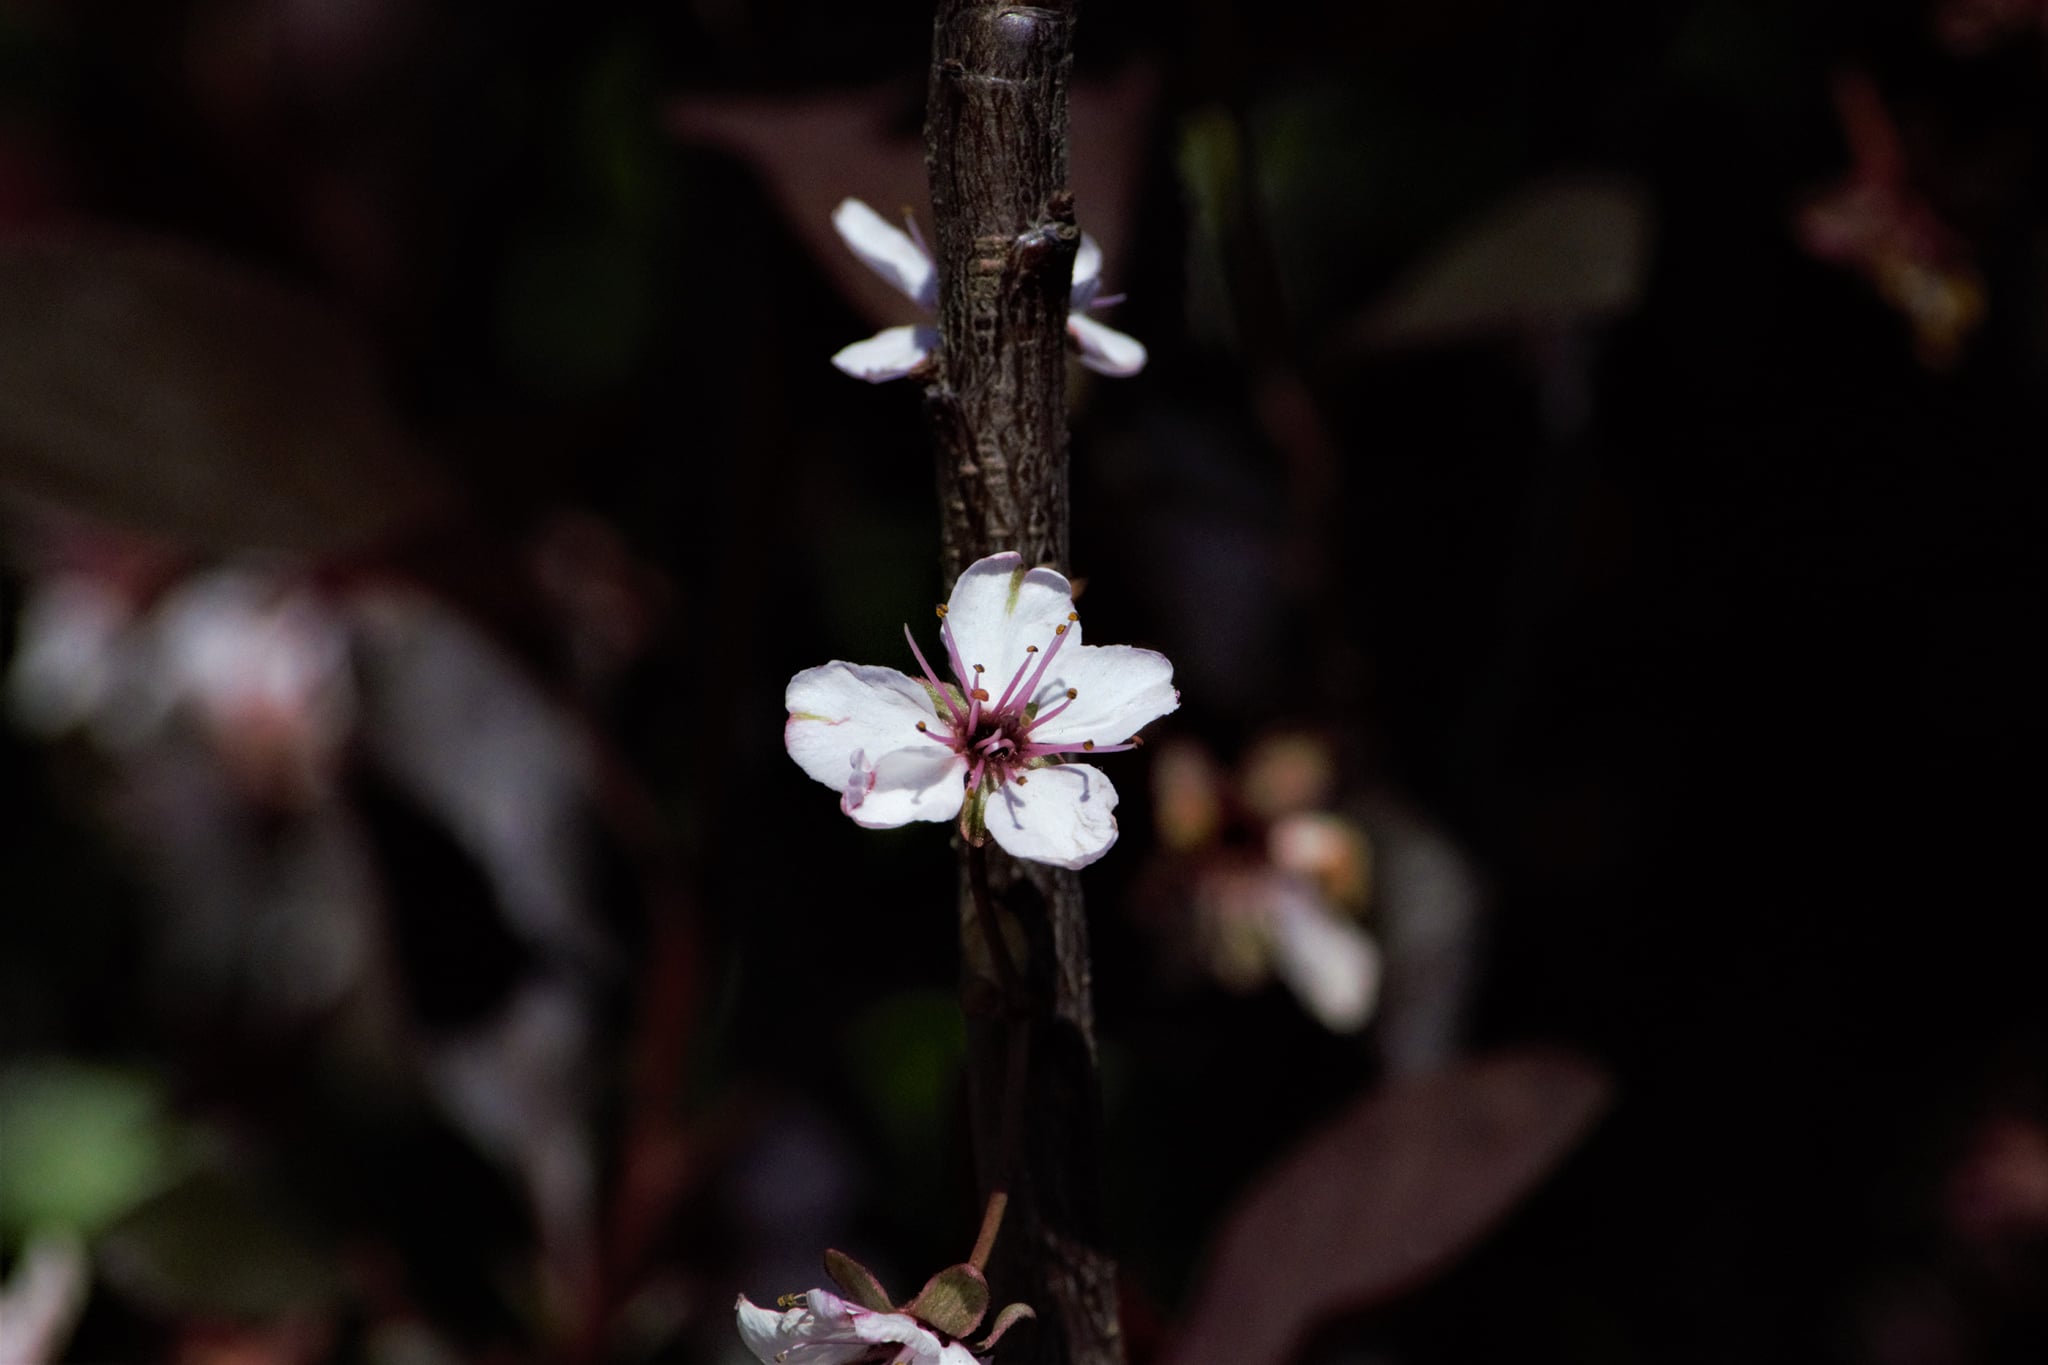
1005, 1320
954, 1301
858, 1281
939, 708
973, 817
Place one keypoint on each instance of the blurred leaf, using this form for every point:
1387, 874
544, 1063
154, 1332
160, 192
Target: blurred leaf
1557, 253
210, 1245
169, 390
1392, 1191
81, 1145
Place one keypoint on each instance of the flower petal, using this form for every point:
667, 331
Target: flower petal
1104, 349
1119, 689
925, 783
839, 709
897, 1329
889, 354
888, 251
1087, 273
1061, 815
1331, 964
800, 1336
999, 607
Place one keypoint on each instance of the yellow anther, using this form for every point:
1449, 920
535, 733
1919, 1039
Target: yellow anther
979, 669
1071, 694
920, 725
979, 694
1073, 616
1061, 631
1088, 744
1031, 649
941, 609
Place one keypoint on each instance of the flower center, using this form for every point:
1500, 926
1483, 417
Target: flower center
998, 735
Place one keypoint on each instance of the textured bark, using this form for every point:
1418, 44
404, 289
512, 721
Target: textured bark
996, 152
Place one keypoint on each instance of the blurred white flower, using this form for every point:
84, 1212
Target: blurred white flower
1286, 907
902, 259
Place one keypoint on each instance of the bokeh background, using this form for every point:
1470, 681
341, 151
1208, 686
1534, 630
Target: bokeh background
1588, 477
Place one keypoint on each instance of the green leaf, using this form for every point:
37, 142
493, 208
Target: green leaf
952, 1301
81, 1146
858, 1281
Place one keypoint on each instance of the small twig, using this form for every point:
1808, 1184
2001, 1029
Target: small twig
991, 1224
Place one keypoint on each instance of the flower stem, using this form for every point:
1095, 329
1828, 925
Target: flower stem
991, 1224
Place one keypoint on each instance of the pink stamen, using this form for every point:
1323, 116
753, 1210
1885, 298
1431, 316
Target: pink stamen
1004, 700
1085, 747
924, 730
1058, 638
933, 679
1107, 301
953, 655
1043, 716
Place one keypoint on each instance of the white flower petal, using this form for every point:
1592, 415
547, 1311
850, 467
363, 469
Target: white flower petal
888, 251
1119, 690
1062, 815
925, 783
838, 709
898, 1329
799, 1336
1104, 349
889, 354
1087, 273
1331, 964
762, 1330
999, 607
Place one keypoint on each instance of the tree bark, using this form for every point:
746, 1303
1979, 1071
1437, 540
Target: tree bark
996, 154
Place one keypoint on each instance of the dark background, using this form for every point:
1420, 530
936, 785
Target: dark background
1696, 612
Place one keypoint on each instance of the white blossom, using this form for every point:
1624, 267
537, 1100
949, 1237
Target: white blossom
902, 259
820, 1328
996, 745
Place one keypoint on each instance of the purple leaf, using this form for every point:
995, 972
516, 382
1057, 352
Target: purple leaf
1409, 1179
156, 386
